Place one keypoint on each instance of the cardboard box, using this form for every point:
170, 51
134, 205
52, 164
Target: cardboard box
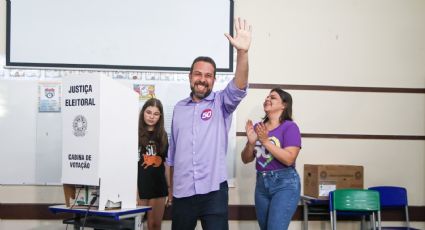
86, 195
80, 196
69, 191
319, 180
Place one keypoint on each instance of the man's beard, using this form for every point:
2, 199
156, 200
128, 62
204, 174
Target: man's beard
200, 95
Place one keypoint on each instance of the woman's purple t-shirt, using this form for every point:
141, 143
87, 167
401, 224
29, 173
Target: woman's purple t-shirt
286, 134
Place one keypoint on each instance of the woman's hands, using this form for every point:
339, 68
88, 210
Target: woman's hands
250, 132
262, 133
248, 153
259, 132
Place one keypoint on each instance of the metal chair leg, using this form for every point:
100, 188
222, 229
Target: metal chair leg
406, 210
305, 212
363, 223
333, 220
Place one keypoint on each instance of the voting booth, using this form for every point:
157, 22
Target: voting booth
100, 139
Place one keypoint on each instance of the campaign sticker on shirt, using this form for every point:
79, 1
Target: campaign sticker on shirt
206, 114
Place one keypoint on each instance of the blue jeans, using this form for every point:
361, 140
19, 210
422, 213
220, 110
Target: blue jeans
210, 208
276, 197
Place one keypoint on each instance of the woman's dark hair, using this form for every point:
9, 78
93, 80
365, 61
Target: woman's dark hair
287, 101
159, 134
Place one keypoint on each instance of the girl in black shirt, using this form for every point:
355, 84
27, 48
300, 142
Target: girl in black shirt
152, 182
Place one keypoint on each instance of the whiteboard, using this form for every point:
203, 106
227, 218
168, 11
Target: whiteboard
30, 143
119, 34
48, 162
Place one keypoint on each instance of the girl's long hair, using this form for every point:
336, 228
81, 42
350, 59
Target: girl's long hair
159, 134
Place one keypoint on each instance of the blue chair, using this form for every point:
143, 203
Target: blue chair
355, 202
394, 197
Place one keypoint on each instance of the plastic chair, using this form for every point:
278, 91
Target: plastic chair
394, 197
355, 201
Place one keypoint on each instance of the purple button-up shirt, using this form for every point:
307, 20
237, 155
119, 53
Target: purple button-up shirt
198, 142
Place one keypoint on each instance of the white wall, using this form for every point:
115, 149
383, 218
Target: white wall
365, 43
334, 42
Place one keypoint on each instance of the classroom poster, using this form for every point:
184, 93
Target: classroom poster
146, 91
49, 97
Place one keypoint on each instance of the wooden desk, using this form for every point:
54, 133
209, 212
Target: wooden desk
107, 219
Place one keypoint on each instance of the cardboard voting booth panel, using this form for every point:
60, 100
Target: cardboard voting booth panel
100, 127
